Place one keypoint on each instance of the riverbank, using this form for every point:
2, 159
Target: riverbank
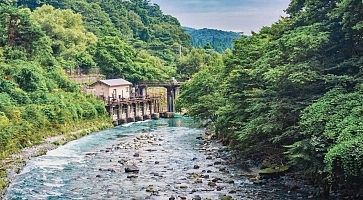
13, 164
262, 171
163, 159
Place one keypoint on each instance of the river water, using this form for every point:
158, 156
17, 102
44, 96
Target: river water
172, 160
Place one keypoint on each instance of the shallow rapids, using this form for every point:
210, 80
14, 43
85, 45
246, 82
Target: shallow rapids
171, 161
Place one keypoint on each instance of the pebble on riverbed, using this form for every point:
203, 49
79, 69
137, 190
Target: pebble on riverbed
174, 168
132, 169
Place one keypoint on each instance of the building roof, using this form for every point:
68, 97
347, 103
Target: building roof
115, 82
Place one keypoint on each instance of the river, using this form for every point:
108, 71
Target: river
173, 163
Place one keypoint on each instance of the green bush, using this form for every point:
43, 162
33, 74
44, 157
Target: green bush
344, 161
333, 128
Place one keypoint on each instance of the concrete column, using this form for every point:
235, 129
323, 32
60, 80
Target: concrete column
143, 109
135, 109
130, 113
159, 105
151, 108
119, 112
111, 111
138, 117
171, 99
168, 99
127, 111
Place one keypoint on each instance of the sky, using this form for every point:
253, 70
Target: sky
231, 15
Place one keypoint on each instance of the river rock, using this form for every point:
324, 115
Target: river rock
151, 189
219, 188
260, 182
205, 176
183, 186
154, 174
132, 176
196, 167
217, 163
199, 181
226, 197
111, 170
216, 180
136, 155
121, 162
212, 184
197, 197
273, 172
132, 169
222, 169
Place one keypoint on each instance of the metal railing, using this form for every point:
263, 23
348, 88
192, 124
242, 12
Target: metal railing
113, 100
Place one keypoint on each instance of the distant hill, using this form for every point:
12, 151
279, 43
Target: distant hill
219, 40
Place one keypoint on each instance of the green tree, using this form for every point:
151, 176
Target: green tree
291, 91
67, 32
17, 32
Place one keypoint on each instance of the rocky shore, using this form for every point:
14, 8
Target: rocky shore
155, 167
158, 163
16, 162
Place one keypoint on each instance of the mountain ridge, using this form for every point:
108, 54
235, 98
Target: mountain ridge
219, 40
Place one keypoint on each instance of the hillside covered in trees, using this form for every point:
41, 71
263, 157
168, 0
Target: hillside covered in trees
148, 39
291, 95
219, 40
39, 40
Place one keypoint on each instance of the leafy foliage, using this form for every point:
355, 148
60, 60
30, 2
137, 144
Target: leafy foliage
36, 97
294, 87
67, 33
195, 60
39, 40
217, 39
139, 23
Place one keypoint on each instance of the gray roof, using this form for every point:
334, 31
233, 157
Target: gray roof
115, 82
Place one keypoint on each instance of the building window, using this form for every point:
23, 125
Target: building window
114, 93
127, 89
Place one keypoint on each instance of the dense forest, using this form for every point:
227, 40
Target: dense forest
149, 40
291, 95
219, 40
40, 40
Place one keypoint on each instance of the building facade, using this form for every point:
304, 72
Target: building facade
112, 88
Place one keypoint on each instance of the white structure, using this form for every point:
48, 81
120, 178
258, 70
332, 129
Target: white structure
115, 88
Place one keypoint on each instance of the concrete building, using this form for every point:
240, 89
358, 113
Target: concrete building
115, 88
